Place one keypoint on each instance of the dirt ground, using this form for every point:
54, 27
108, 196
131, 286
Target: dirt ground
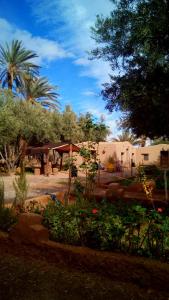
29, 273
40, 184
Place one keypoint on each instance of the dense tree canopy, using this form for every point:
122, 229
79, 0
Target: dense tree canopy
21, 122
135, 40
92, 130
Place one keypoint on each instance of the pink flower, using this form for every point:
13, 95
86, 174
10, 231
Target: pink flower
160, 209
94, 210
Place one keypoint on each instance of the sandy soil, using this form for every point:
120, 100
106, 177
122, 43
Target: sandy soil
38, 185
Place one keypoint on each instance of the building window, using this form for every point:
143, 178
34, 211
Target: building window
145, 156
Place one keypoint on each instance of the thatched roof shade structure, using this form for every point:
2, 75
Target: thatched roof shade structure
61, 148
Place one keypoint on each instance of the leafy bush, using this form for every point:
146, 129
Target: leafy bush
7, 218
132, 229
151, 171
160, 184
63, 224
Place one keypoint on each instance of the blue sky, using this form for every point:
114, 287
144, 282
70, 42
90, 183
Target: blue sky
59, 32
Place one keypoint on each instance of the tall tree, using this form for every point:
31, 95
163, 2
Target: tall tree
129, 137
15, 61
39, 90
92, 130
21, 121
70, 128
135, 40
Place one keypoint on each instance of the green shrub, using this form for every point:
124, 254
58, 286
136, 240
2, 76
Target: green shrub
62, 224
160, 184
132, 229
151, 171
21, 189
7, 219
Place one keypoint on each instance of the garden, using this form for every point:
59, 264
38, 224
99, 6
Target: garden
109, 223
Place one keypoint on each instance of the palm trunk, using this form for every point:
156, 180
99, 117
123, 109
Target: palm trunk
10, 81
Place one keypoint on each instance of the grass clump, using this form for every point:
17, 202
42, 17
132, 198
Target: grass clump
21, 189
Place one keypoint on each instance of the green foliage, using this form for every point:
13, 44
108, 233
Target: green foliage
7, 218
128, 136
89, 167
21, 120
132, 229
91, 130
127, 181
15, 62
138, 51
70, 128
39, 90
151, 171
159, 141
21, 189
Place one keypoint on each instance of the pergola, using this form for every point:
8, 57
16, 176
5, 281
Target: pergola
61, 148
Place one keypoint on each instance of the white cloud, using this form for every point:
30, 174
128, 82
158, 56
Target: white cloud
72, 20
47, 50
77, 17
89, 93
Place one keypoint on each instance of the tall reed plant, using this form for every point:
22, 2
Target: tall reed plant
21, 189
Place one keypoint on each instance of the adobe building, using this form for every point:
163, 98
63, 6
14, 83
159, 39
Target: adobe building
112, 156
127, 156
151, 154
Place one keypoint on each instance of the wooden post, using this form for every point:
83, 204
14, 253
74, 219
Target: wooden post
47, 164
61, 161
70, 172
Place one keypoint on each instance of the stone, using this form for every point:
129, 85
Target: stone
38, 202
114, 185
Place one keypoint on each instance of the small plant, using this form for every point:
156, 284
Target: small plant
147, 185
90, 168
7, 218
21, 189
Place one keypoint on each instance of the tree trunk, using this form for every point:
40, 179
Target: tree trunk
22, 146
10, 81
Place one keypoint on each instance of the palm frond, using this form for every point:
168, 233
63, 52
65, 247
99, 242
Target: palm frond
15, 61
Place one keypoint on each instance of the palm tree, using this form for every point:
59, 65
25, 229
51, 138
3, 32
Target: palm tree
39, 90
15, 61
128, 136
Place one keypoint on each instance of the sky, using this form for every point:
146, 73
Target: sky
59, 32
